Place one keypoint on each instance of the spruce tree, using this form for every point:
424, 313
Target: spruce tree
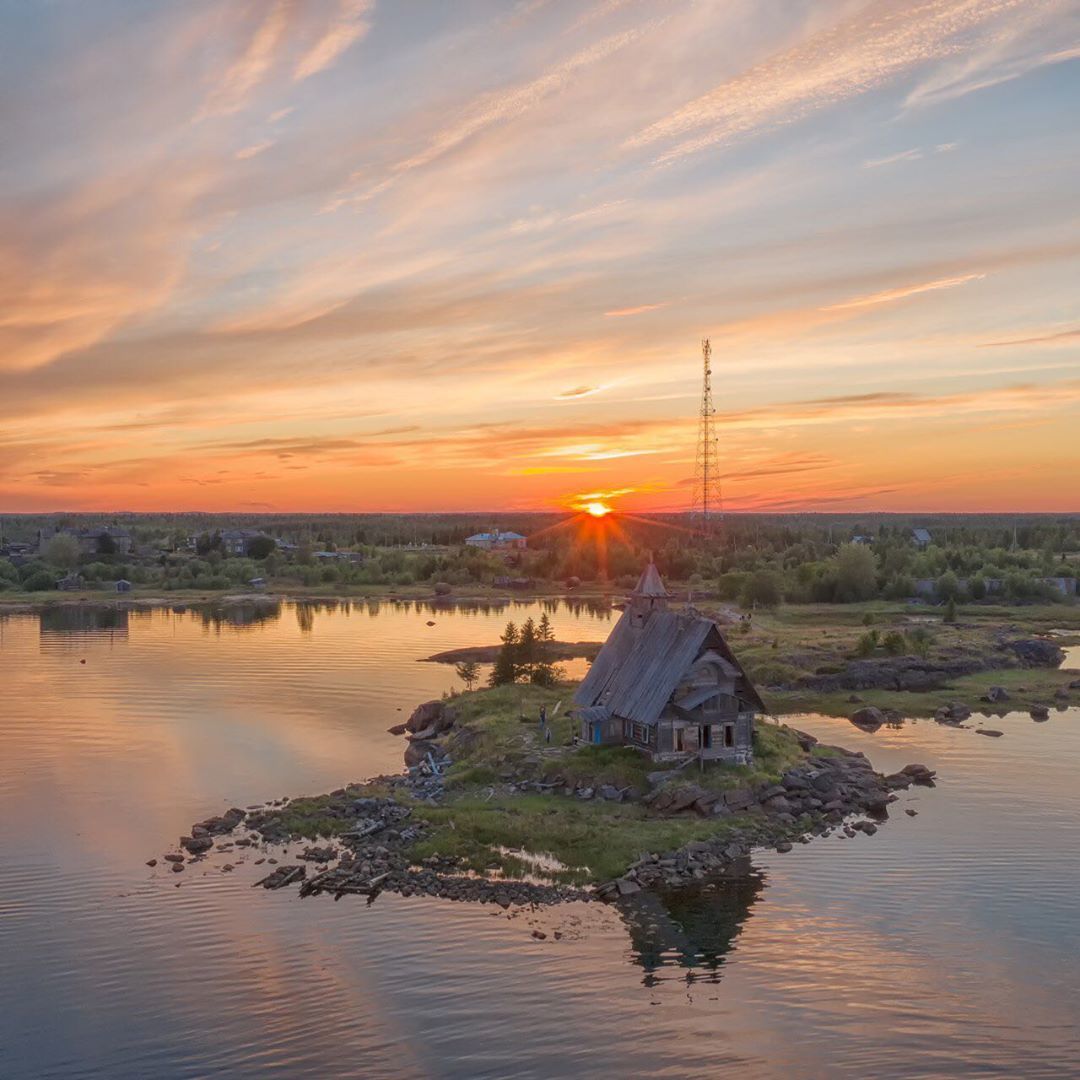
506, 664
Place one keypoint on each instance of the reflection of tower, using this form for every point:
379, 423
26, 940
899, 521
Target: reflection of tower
706, 507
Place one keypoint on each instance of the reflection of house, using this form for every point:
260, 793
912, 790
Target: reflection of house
496, 541
689, 928
921, 537
668, 683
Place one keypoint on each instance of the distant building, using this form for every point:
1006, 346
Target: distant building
257, 583
339, 556
514, 583
496, 540
235, 541
862, 539
100, 540
123, 585
1064, 585
71, 583
921, 537
669, 684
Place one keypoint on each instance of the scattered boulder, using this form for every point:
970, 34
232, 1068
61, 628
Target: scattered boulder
196, 844
996, 694
954, 713
319, 854
1039, 712
424, 716
869, 718
989, 731
398, 729
151, 862
1038, 652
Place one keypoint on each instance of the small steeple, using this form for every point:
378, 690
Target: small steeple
649, 594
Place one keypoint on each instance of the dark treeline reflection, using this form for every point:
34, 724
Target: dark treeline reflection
69, 620
692, 930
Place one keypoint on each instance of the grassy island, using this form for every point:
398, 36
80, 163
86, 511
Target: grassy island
512, 804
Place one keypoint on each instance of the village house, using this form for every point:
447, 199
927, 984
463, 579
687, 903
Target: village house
667, 683
922, 538
101, 540
497, 541
236, 541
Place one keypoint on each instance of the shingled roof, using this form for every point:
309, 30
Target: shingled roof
636, 672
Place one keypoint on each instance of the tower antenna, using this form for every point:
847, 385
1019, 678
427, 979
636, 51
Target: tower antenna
707, 506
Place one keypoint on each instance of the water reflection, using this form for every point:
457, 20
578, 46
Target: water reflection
70, 621
689, 929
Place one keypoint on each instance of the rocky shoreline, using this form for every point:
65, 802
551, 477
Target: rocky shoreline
832, 791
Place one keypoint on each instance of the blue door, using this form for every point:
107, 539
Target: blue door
597, 733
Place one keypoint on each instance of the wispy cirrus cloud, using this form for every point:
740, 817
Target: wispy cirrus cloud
350, 26
491, 109
640, 309
888, 296
849, 59
232, 91
1057, 337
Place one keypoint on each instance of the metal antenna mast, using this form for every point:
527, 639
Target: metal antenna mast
707, 506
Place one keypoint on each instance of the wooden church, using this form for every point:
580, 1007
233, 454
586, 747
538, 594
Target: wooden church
667, 683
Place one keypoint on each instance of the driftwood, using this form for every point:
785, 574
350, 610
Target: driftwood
312, 884
282, 876
372, 825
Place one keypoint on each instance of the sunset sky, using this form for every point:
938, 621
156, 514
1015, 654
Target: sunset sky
347, 255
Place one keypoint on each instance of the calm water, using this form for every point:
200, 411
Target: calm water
947, 944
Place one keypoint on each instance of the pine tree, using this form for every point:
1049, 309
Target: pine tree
506, 664
468, 671
527, 648
544, 672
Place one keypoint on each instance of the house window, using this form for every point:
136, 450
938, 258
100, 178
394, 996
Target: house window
639, 733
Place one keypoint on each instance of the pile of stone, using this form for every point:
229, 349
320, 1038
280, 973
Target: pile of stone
202, 835
373, 857
811, 799
954, 713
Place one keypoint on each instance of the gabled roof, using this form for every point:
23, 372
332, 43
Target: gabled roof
636, 673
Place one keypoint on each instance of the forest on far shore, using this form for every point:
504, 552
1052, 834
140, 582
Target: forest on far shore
760, 560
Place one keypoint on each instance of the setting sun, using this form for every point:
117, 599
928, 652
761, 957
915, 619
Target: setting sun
597, 509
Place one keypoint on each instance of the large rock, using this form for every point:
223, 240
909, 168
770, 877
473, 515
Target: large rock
196, 844
1038, 652
424, 716
416, 752
869, 718
997, 694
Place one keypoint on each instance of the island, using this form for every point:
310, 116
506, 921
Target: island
662, 774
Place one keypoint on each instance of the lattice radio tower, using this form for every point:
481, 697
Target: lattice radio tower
707, 507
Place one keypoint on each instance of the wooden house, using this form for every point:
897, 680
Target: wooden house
668, 683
